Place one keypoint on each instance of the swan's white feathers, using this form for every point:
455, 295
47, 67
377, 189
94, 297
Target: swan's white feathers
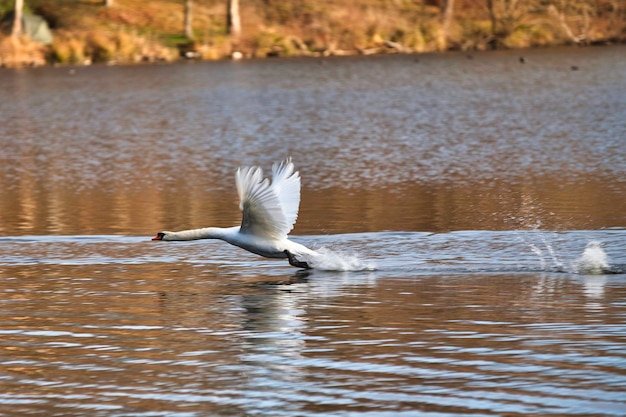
269, 210
269, 213
286, 185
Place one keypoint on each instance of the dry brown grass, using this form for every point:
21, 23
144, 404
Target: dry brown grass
86, 47
20, 52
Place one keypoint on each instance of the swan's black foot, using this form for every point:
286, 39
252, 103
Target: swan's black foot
294, 262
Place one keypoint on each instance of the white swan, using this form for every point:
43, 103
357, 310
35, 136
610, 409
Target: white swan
269, 212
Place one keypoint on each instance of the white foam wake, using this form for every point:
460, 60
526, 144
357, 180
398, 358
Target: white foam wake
592, 261
329, 260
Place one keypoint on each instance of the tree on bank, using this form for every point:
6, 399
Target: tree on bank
580, 15
447, 9
504, 15
234, 20
17, 19
188, 19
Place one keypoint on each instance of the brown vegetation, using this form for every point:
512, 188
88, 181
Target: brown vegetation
125, 31
19, 51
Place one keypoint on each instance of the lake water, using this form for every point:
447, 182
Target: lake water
471, 208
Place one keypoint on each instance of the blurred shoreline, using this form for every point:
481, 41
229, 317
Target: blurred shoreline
115, 32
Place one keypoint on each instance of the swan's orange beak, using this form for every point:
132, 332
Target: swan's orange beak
159, 236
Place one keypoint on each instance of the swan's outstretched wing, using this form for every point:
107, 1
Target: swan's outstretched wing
286, 186
263, 214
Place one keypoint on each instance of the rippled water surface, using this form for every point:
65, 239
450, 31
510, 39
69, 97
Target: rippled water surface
475, 205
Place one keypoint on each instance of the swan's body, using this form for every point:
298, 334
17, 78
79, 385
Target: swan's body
269, 212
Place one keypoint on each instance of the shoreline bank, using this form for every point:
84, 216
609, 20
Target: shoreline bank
133, 31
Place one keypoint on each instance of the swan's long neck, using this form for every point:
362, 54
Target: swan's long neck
205, 233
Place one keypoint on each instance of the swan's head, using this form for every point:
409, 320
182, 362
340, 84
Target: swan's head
161, 236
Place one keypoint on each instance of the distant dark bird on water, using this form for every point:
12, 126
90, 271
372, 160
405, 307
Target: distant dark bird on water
522, 60
574, 67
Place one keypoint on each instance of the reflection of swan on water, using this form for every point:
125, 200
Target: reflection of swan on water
273, 323
269, 212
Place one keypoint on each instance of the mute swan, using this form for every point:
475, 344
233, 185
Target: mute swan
269, 212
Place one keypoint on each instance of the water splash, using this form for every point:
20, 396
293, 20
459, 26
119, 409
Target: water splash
537, 251
329, 260
544, 248
593, 260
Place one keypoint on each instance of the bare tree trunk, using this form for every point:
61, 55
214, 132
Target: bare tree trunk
188, 28
496, 24
234, 22
559, 14
447, 10
17, 19
492, 17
